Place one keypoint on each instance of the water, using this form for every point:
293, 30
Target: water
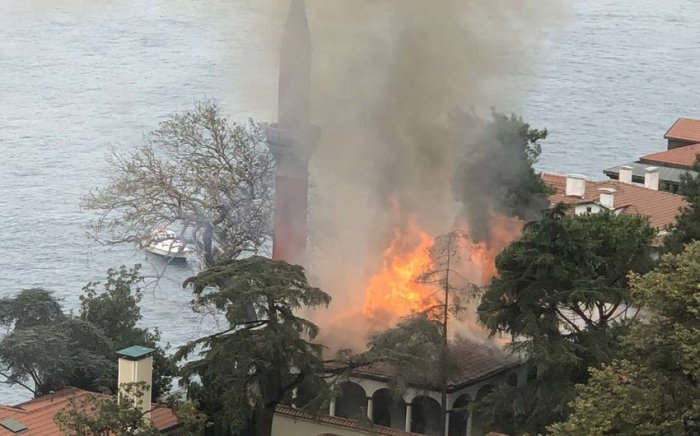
79, 77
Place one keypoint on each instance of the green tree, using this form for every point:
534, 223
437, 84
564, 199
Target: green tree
562, 294
652, 389
245, 371
104, 415
687, 227
209, 178
495, 171
48, 350
113, 307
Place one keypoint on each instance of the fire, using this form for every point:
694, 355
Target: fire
394, 290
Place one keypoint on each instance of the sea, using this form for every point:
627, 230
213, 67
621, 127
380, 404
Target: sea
80, 78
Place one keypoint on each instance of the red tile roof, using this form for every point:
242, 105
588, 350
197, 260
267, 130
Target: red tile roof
681, 157
342, 422
476, 361
659, 206
684, 129
37, 415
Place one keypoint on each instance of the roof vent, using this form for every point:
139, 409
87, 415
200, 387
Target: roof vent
13, 426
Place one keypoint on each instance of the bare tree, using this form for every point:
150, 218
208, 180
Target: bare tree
208, 179
447, 255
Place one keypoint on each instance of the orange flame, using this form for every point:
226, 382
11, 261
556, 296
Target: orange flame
394, 291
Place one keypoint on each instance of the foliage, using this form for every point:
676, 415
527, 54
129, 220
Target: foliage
48, 350
102, 415
562, 294
414, 348
687, 226
209, 177
653, 388
245, 371
495, 173
115, 310
30, 308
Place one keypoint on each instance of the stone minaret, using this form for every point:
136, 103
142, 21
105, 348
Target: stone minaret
293, 139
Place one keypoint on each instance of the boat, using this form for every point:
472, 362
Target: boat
166, 243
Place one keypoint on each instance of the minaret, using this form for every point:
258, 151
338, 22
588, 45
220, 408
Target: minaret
293, 139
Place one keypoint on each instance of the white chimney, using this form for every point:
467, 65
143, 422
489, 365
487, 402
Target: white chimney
607, 197
575, 185
136, 366
625, 174
651, 178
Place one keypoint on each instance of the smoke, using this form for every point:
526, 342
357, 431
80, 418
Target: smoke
398, 89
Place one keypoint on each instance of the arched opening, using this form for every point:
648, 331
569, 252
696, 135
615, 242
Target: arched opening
512, 379
479, 420
352, 402
459, 415
426, 416
388, 411
531, 373
381, 408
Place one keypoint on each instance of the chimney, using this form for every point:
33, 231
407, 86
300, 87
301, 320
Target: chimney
136, 366
607, 197
625, 174
575, 185
651, 178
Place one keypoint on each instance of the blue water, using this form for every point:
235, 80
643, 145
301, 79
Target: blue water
80, 77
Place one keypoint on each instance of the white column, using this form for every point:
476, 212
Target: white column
447, 422
469, 419
407, 426
370, 409
331, 408
294, 397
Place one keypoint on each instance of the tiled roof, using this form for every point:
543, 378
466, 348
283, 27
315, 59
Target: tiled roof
681, 157
661, 207
684, 129
37, 415
341, 422
475, 360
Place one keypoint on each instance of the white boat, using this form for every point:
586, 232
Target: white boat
166, 243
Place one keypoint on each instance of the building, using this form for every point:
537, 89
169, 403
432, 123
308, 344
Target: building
366, 405
292, 140
36, 417
684, 132
678, 159
593, 196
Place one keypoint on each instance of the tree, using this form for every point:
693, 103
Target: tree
47, 350
454, 289
687, 228
652, 388
103, 415
562, 294
245, 371
115, 311
211, 178
495, 173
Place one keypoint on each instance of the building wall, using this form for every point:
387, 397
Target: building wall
674, 143
287, 426
583, 208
